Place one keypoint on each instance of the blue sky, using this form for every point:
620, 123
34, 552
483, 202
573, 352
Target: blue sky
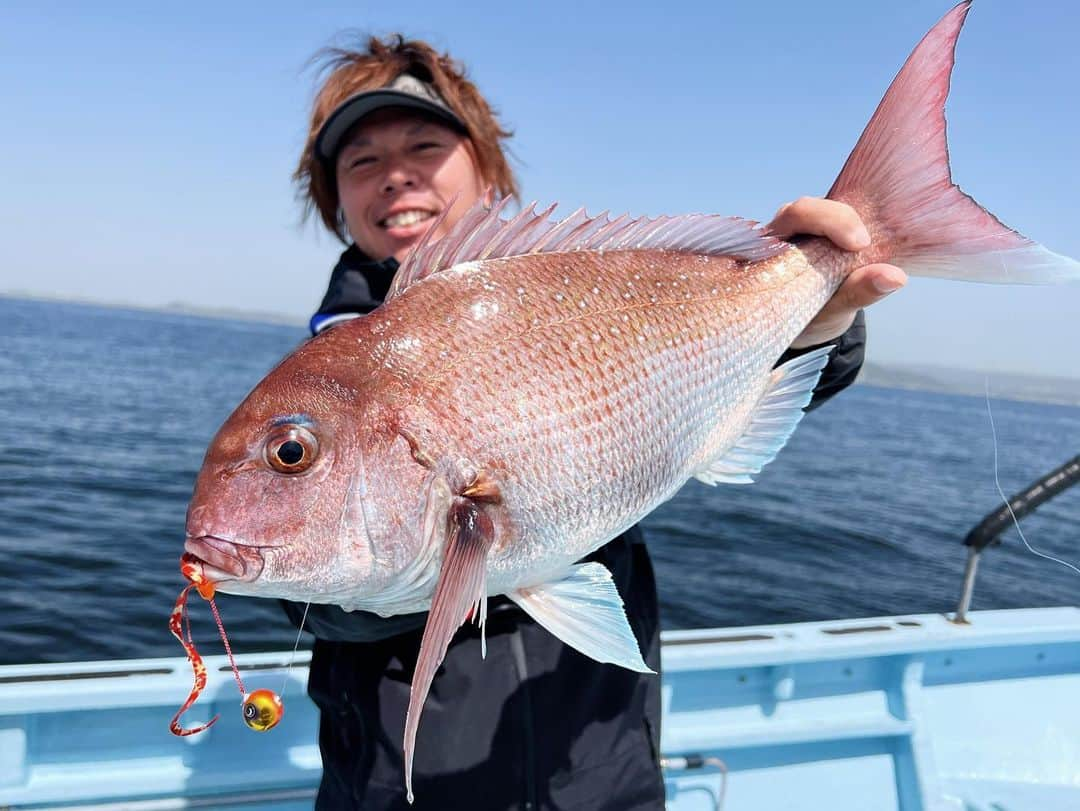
147, 148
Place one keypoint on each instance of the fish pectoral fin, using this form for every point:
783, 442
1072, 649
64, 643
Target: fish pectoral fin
459, 594
585, 611
772, 422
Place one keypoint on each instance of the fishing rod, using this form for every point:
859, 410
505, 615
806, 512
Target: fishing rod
988, 531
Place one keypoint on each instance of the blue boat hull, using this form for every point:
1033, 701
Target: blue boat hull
907, 713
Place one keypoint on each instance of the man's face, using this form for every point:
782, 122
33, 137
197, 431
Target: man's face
396, 171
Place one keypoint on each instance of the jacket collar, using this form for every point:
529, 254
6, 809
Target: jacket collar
358, 284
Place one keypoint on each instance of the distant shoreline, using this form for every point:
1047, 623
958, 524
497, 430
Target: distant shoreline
973, 383
942, 380
172, 308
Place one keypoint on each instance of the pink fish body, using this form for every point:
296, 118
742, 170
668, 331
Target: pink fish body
533, 387
586, 386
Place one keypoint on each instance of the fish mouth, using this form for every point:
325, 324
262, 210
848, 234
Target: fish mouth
221, 559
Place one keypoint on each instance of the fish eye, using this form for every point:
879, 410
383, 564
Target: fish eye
290, 452
291, 449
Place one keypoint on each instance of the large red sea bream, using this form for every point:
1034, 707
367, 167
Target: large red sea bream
532, 387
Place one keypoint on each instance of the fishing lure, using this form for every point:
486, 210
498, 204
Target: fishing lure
262, 709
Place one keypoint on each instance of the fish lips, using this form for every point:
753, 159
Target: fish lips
224, 560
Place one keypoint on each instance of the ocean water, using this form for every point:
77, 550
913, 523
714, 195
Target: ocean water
107, 413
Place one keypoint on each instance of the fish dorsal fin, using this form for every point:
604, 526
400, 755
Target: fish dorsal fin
773, 421
482, 233
585, 611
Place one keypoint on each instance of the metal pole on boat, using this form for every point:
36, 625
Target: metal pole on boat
968, 587
987, 531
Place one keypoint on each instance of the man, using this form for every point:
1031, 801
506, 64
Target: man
399, 137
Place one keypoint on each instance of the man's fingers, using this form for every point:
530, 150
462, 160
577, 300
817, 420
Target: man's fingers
834, 220
869, 284
840, 224
863, 287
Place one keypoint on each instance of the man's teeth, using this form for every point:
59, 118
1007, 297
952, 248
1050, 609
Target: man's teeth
406, 218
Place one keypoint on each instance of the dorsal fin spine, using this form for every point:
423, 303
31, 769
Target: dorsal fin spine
529, 228
513, 229
583, 232
474, 225
615, 229
553, 237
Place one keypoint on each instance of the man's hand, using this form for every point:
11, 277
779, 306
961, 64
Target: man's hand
838, 223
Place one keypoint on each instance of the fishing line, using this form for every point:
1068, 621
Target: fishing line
299, 631
228, 649
1008, 506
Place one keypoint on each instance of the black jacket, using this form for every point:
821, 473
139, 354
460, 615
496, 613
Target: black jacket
534, 726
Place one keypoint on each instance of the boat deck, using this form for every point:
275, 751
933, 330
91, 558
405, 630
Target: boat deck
908, 713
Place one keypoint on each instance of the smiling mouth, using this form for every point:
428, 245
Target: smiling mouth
224, 560
403, 219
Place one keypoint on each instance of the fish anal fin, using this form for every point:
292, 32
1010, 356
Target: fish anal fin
585, 611
459, 593
772, 421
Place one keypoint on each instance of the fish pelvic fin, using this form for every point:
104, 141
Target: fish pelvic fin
899, 180
459, 594
772, 422
585, 611
483, 234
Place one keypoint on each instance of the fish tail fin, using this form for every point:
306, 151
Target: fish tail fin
898, 179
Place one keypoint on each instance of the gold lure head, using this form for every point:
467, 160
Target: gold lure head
263, 710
